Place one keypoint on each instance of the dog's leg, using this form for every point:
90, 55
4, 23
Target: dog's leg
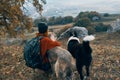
57, 69
79, 69
68, 72
87, 70
81, 75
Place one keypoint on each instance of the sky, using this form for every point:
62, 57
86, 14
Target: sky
70, 7
103, 6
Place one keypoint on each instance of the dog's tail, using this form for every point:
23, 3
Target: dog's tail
86, 43
89, 38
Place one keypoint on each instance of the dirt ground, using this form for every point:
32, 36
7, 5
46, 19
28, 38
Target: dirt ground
105, 64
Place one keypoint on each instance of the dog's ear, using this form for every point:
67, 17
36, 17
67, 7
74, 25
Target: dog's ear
71, 34
75, 34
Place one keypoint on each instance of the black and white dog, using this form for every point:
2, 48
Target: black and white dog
82, 52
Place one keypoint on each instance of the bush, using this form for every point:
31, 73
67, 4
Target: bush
88, 14
118, 31
84, 22
100, 27
106, 15
91, 30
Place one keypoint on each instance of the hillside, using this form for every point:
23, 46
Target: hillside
105, 65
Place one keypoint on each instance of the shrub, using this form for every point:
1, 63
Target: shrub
100, 27
91, 30
118, 31
84, 22
106, 15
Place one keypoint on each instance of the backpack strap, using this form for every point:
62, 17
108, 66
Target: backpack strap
39, 37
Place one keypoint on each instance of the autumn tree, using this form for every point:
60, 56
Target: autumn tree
11, 15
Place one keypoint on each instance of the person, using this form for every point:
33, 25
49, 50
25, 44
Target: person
46, 43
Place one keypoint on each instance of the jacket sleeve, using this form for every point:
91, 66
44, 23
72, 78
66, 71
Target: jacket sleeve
52, 44
47, 44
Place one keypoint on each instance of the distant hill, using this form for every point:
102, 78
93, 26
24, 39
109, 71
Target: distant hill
61, 12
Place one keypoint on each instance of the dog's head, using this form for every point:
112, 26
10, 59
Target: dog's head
72, 38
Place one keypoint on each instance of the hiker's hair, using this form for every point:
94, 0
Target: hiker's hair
42, 27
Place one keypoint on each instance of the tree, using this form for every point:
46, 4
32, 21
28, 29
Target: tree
58, 20
51, 20
11, 14
84, 22
106, 15
81, 15
40, 19
93, 14
87, 14
67, 19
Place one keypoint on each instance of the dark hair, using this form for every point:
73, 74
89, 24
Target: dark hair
42, 27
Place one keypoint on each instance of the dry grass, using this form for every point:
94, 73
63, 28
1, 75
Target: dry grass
60, 28
105, 65
106, 57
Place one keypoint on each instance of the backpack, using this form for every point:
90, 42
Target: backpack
32, 55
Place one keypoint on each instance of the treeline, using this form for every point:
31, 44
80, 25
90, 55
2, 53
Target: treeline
84, 16
55, 20
83, 19
92, 21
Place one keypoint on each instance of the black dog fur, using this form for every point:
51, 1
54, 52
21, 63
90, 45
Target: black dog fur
82, 52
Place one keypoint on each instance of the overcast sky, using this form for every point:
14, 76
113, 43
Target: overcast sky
54, 7
108, 6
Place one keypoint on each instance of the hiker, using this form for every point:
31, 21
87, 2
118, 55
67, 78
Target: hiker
46, 43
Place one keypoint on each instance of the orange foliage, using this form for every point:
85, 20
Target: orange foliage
11, 15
